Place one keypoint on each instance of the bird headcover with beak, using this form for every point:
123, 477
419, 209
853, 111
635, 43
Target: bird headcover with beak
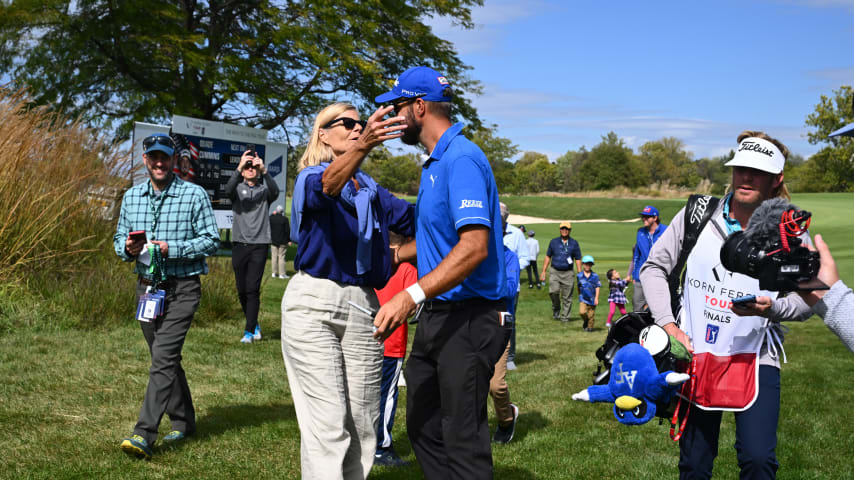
635, 386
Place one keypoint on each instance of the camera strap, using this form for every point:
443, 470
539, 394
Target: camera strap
698, 212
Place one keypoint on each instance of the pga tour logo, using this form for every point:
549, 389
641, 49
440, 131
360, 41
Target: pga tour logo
471, 204
712, 333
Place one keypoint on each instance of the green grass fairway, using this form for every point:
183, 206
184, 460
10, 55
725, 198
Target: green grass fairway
68, 396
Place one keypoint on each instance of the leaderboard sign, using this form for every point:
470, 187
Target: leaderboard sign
209, 153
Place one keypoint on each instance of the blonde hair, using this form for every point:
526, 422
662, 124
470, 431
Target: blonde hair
780, 191
316, 151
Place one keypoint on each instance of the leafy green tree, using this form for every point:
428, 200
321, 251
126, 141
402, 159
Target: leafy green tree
569, 167
498, 151
667, 160
605, 167
399, 174
254, 62
832, 167
534, 173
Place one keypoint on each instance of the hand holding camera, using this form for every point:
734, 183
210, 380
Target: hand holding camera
827, 274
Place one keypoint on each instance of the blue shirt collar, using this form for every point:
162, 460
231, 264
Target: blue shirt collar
732, 224
445, 141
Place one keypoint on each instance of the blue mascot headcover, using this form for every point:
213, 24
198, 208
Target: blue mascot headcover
635, 386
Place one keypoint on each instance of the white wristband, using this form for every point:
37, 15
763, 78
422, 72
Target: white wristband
416, 293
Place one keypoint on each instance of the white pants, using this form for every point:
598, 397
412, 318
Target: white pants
334, 369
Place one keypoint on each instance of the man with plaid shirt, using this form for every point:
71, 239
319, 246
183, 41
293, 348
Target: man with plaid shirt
180, 231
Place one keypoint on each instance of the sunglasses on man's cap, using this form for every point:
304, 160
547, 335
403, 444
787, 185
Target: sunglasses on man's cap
348, 123
153, 140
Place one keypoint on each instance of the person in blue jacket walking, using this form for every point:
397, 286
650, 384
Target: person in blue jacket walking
647, 235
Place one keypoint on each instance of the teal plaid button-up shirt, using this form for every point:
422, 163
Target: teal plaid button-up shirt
186, 223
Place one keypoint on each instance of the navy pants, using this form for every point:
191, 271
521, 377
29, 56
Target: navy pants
388, 402
755, 435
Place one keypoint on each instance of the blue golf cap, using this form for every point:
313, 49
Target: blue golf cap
587, 259
160, 142
649, 211
418, 82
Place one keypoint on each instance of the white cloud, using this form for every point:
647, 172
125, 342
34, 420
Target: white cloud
490, 22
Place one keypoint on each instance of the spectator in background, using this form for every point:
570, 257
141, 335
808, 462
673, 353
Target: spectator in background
506, 413
394, 350
588, 293
340, 220
616, 297
533, 253
647, 235
280, 240
834, 306
250, 202
560, 255
180, 231
514, 239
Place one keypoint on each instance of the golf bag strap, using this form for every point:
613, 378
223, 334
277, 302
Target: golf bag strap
698, 212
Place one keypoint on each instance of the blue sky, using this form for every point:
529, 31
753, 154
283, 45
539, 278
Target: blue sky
558, 74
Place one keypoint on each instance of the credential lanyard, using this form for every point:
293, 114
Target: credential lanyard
157, 267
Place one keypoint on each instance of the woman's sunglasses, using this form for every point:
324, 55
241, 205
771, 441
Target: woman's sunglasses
348, 123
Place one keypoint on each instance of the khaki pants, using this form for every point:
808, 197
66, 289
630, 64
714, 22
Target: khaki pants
334, 369
562, 284
277, 258
587, 313
500, 392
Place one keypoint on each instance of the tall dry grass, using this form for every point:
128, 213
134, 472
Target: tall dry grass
60, 189
57, 180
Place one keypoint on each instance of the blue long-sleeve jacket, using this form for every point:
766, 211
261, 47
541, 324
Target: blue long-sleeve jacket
643, 245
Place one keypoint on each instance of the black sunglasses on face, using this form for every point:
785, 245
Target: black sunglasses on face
402, 103
348, 123
149, 142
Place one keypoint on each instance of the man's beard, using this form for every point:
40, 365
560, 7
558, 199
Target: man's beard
412, 131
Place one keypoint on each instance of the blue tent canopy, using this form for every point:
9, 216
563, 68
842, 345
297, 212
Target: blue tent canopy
847, 130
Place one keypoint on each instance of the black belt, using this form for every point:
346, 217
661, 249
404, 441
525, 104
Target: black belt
443, 305
168, 284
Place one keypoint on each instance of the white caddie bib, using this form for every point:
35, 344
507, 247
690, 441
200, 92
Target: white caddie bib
726, 346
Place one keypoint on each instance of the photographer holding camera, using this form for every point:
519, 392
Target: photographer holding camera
736, 347
835, 305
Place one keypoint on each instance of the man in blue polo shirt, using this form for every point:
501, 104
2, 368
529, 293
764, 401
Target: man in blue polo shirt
461, 333
561, 254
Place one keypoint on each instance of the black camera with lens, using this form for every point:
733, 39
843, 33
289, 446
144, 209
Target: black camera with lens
771, 251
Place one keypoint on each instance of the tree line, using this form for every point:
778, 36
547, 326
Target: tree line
273, 65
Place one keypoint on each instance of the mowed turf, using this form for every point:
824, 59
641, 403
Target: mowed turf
68, 397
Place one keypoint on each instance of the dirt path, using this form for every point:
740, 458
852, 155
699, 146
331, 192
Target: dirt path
522, 220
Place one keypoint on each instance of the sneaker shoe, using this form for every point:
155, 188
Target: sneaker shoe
556, 314
531, 286
137, 446
505, 434
511, 365
274, 276
389, 458
247, 337
284, 275
257, 335
174, 437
